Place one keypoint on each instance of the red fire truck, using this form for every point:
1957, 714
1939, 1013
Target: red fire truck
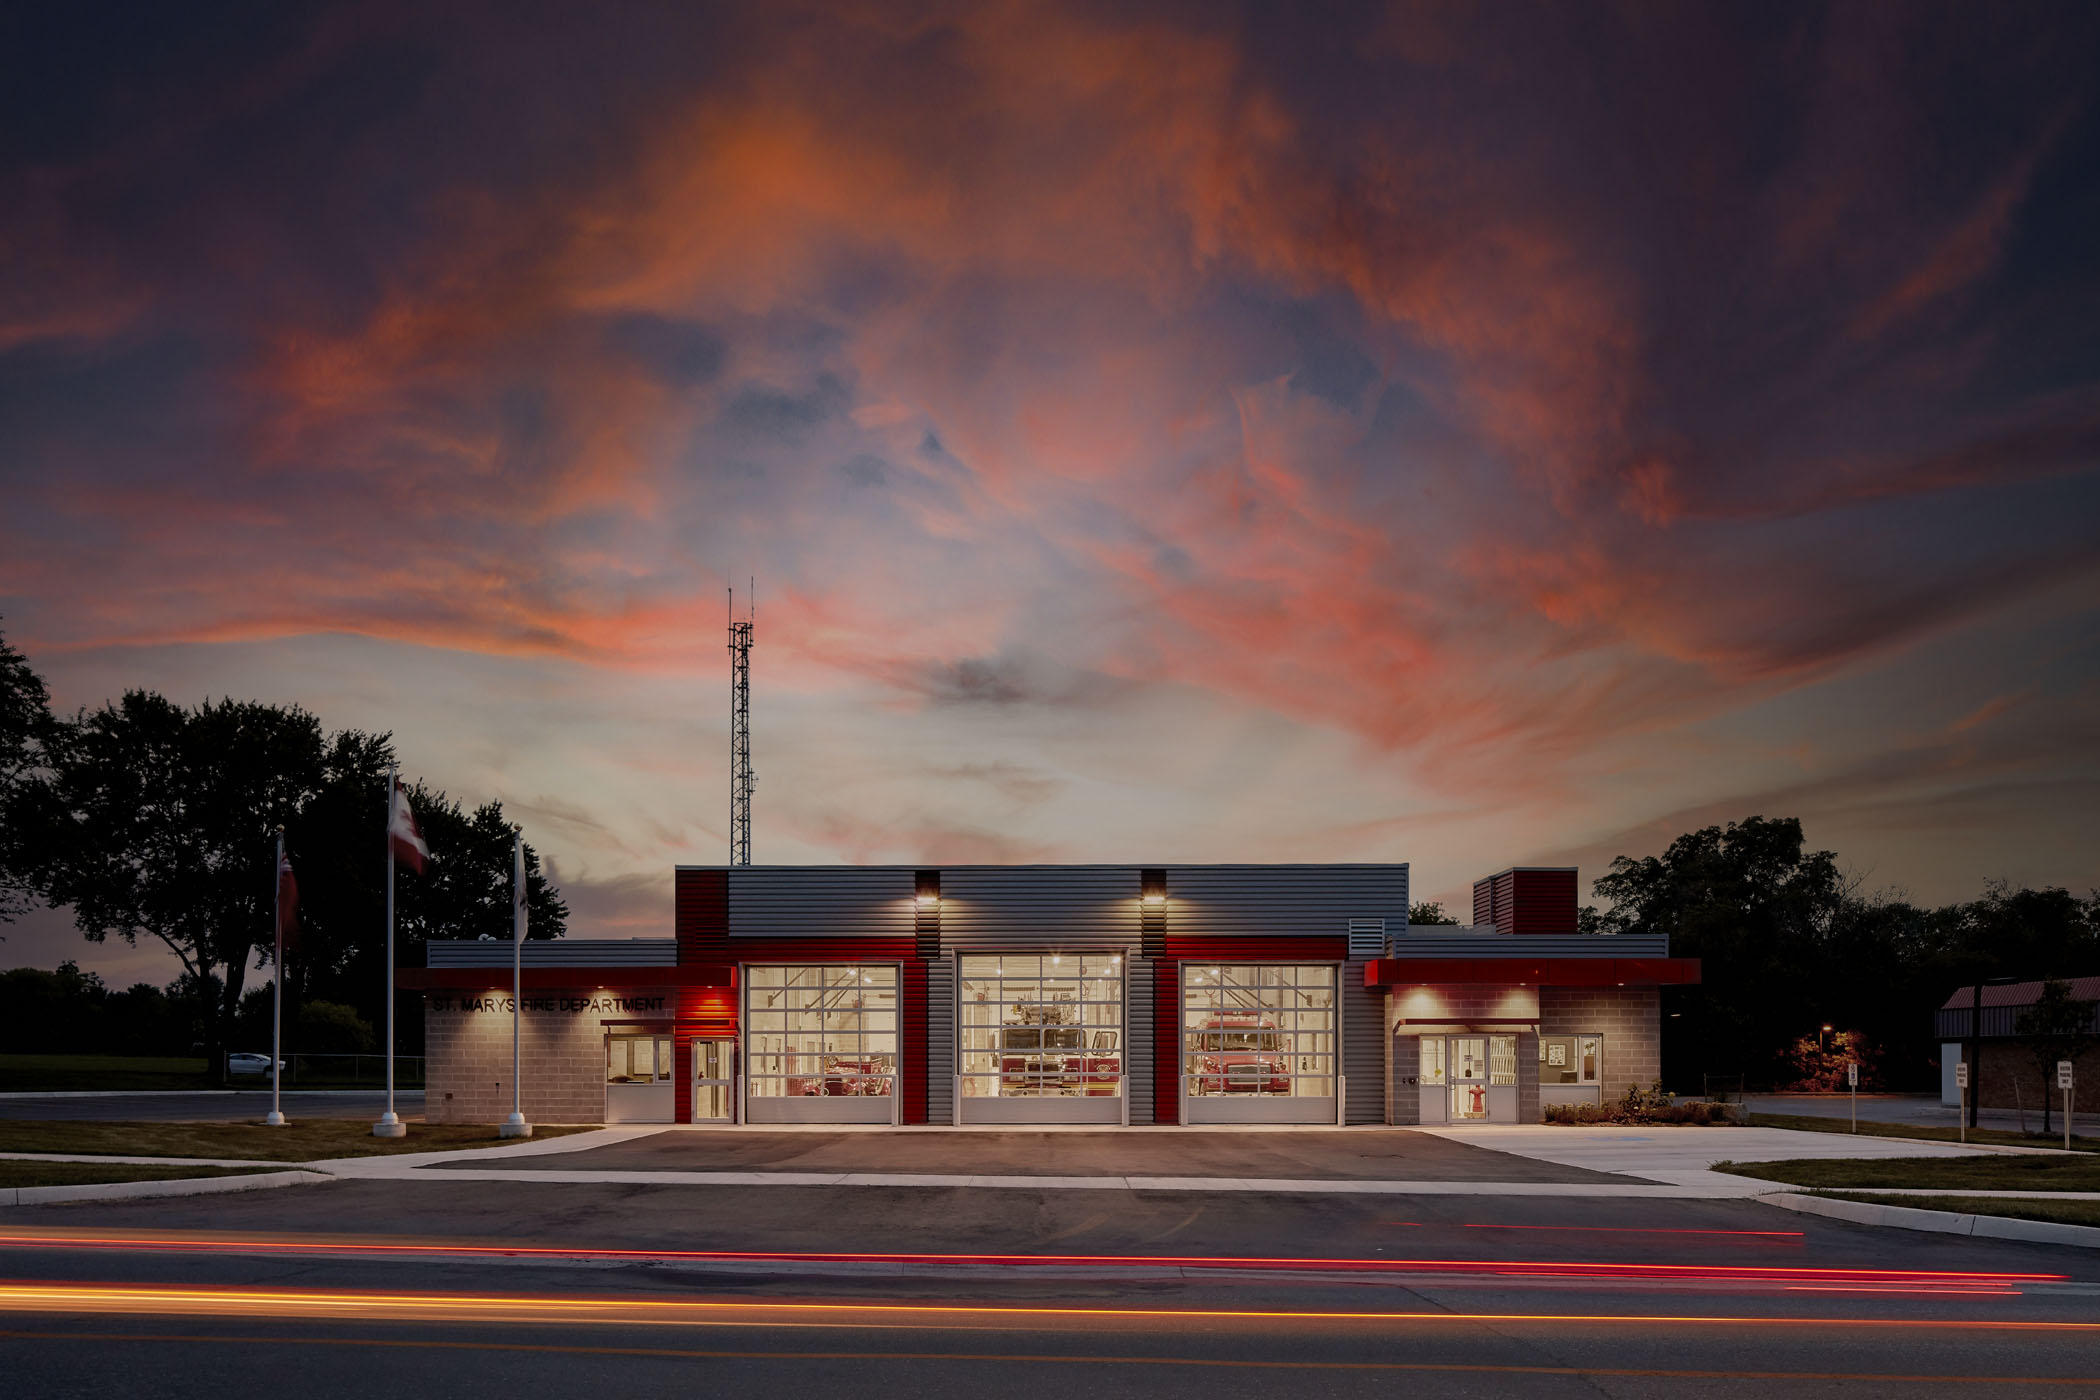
1043, 1051
1238, 1052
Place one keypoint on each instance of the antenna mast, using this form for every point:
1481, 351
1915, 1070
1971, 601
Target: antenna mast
741, 779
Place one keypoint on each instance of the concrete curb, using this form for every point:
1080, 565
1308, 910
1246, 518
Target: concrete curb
118, 1160
138, 1190
1997, 1227
112, 1093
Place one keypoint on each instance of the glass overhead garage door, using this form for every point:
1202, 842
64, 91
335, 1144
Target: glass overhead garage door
1258, 1042
820, 1043
1040, 1038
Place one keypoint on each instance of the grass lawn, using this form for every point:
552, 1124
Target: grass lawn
2058, 1212
1981, 1173
14, 1173
22, 1073
298, 1141
1988, 1136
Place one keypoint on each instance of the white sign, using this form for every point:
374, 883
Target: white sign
1961, 1075
1852, 1075
2063, 1074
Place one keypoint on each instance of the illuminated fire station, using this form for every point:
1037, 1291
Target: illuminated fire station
1108, 995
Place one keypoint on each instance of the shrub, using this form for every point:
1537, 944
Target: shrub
1643, 1106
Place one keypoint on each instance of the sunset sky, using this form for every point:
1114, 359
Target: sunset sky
1468, 435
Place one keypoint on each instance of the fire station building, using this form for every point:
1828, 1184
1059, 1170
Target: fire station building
1109, 995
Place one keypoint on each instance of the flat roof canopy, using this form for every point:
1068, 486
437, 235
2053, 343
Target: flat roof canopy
1540, 972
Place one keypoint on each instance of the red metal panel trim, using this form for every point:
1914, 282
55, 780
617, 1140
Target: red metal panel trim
682, 1079
912, 1001
1166, 1041
702, 914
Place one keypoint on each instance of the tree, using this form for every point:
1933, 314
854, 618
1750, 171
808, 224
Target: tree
169, 821
166, 828
27, 735
2057, 1027
1429, 912
1757, 909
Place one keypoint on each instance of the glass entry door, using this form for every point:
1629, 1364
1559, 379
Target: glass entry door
1469, 1078
714, 1081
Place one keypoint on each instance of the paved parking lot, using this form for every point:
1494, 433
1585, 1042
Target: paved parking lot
1356, 1154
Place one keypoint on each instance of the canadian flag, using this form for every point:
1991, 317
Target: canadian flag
403, 837
518, 889
287, 908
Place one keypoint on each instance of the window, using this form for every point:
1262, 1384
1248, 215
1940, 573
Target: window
820, 1030
1432, 1059
1502, 1059
1261, 1030
1032, 1025
1569, 1059
637, 1059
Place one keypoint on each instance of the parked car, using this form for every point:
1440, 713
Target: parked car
249, 1064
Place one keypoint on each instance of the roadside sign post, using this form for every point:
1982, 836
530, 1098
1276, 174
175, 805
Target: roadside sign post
1852, 1079
1961, 1084
2063, 1082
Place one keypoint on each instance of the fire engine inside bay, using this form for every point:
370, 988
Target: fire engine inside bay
1055, 994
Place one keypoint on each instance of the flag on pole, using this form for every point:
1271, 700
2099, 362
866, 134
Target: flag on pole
287, 907
402, 833
518, 888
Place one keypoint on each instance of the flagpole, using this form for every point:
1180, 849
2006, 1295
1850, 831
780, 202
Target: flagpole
515, 1126
390, 1124
276, 1118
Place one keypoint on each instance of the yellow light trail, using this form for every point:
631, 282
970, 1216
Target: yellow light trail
285, 1305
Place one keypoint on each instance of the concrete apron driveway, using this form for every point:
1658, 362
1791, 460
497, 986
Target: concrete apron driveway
1476, 1160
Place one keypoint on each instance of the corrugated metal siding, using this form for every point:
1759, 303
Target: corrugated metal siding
1430, 941
1039, 906
701, 915
1258, 950
1363, 1046
1034, 906
1139, 1058
1206, 901
1543, 902
1996, 1022
821, 901
581, 952
940, 1041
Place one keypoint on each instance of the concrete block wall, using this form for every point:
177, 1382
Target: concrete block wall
562, 1051
1460, 1004
1403, 1086
1629, 1019
1527, 1077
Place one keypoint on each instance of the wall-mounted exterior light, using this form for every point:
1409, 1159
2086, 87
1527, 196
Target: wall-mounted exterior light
928, 884
1152, 886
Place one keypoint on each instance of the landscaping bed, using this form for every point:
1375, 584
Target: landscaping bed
15, 1173
2013, 1208
297, 1141
1994, 1172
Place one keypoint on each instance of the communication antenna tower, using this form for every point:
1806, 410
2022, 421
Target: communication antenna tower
741, 779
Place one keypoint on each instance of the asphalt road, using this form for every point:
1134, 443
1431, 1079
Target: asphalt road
437, 1288
236, 1106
